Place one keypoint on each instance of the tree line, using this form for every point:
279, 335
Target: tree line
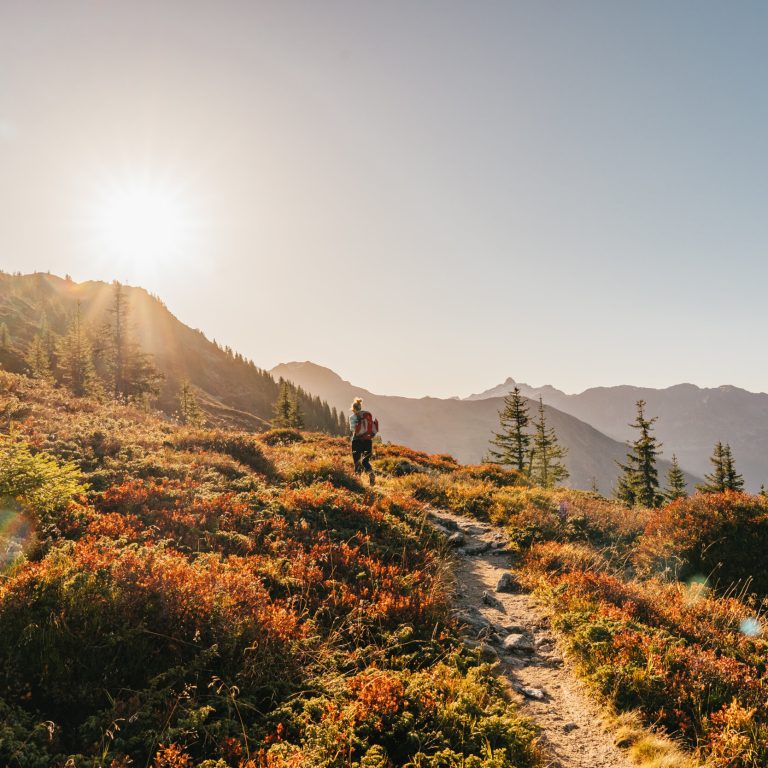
106, 361
538, 455
288, 412
638, 482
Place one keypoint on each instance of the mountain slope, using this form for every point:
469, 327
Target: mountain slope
462, 428
231, 389
691, 420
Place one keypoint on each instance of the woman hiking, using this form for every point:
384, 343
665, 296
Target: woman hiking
364, 428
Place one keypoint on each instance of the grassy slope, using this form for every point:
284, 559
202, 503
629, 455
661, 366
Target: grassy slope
218, 599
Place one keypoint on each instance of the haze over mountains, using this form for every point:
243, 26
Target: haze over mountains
463, 428
691, 419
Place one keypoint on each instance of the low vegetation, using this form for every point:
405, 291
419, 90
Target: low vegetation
662, 609
176, 596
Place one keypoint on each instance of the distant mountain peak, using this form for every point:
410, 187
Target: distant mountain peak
501, 390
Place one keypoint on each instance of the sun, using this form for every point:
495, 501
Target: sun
142, 221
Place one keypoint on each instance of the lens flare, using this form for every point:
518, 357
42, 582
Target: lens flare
15, 534
751, 627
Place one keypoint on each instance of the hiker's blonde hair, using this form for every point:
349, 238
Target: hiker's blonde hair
357, 404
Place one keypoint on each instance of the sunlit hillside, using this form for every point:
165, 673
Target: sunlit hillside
230, 390
178, 597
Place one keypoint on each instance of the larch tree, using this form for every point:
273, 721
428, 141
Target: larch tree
676, 488
511, 444
546, 467
638, 483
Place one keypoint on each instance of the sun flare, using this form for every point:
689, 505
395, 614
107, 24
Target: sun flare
142, 220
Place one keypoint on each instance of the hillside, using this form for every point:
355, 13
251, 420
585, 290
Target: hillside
691, 420
463, 428
230, 389
197, 598
181, 597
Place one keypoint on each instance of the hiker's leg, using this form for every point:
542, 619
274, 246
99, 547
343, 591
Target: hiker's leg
366, 462
357, 454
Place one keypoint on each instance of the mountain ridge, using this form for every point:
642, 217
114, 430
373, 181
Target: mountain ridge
691, 419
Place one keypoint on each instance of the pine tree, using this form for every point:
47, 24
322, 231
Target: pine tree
676, 485
546, 466
131, 372
763, 492
513, 440
189, 410
733, 480
75, 358
283, 406
296, 417
36, 358
638, 483
715, 480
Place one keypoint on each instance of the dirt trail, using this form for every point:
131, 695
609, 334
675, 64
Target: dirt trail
512, 628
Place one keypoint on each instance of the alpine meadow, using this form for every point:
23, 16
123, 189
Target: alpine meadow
263, 500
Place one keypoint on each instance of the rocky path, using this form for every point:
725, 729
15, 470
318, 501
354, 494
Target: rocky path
510, 627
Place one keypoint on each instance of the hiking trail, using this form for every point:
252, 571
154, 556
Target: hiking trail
511, 628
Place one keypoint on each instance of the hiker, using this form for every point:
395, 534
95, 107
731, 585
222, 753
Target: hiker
364, 428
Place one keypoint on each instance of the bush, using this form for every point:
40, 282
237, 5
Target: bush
282, 436
723, 536
241, 446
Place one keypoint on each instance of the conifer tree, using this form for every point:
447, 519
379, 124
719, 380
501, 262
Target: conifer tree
716, 479
512, 443
48, 340
131, 372
75, 358
36, 358
763, 492
733, 480
189, 410
283, 406
638, 483
676, 485
546, 466
296, 417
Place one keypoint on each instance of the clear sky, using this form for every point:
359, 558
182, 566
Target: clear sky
427, 197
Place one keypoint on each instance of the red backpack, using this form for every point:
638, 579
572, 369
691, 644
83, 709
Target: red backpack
367, 427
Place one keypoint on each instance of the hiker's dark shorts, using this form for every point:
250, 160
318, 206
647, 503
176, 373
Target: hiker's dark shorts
362, 450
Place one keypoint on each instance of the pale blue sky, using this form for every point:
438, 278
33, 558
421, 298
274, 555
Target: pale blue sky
427, 197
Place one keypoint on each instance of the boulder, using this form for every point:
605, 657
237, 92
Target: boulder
532, 693
493, 602
518, 643
507, 583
